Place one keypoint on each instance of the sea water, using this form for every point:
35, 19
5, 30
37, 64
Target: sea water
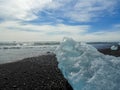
10, 52
13, 51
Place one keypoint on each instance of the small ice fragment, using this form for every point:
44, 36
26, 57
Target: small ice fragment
114, 47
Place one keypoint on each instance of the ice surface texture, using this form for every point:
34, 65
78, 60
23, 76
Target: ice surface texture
87, 69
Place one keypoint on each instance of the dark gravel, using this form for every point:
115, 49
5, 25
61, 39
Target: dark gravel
108, 51
36, 73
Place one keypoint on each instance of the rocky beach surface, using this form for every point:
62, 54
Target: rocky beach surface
36, 73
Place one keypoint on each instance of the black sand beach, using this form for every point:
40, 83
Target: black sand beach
37, 73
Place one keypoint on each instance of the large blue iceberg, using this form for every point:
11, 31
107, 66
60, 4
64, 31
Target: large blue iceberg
87, 69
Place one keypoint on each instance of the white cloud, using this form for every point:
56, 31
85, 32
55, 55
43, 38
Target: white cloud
21, 9
12, 30
117, 26
43, 28
103, 36
16, 31
78, 10
15, 11
86, 10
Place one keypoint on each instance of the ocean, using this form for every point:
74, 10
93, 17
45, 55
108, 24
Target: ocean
14, 51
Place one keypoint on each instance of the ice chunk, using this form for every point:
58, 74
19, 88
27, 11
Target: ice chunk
114, 47
87, 69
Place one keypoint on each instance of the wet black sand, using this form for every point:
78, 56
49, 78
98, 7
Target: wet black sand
108, 51
37, 73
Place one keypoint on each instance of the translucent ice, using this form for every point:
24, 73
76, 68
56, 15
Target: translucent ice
87, 69
114, 47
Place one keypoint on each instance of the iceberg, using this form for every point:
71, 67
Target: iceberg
87, 69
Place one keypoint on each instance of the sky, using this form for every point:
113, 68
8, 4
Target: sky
51, 20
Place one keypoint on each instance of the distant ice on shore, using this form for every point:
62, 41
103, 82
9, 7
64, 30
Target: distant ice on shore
114, 47
87, 69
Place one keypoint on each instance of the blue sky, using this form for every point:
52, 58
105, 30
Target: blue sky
51, 20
